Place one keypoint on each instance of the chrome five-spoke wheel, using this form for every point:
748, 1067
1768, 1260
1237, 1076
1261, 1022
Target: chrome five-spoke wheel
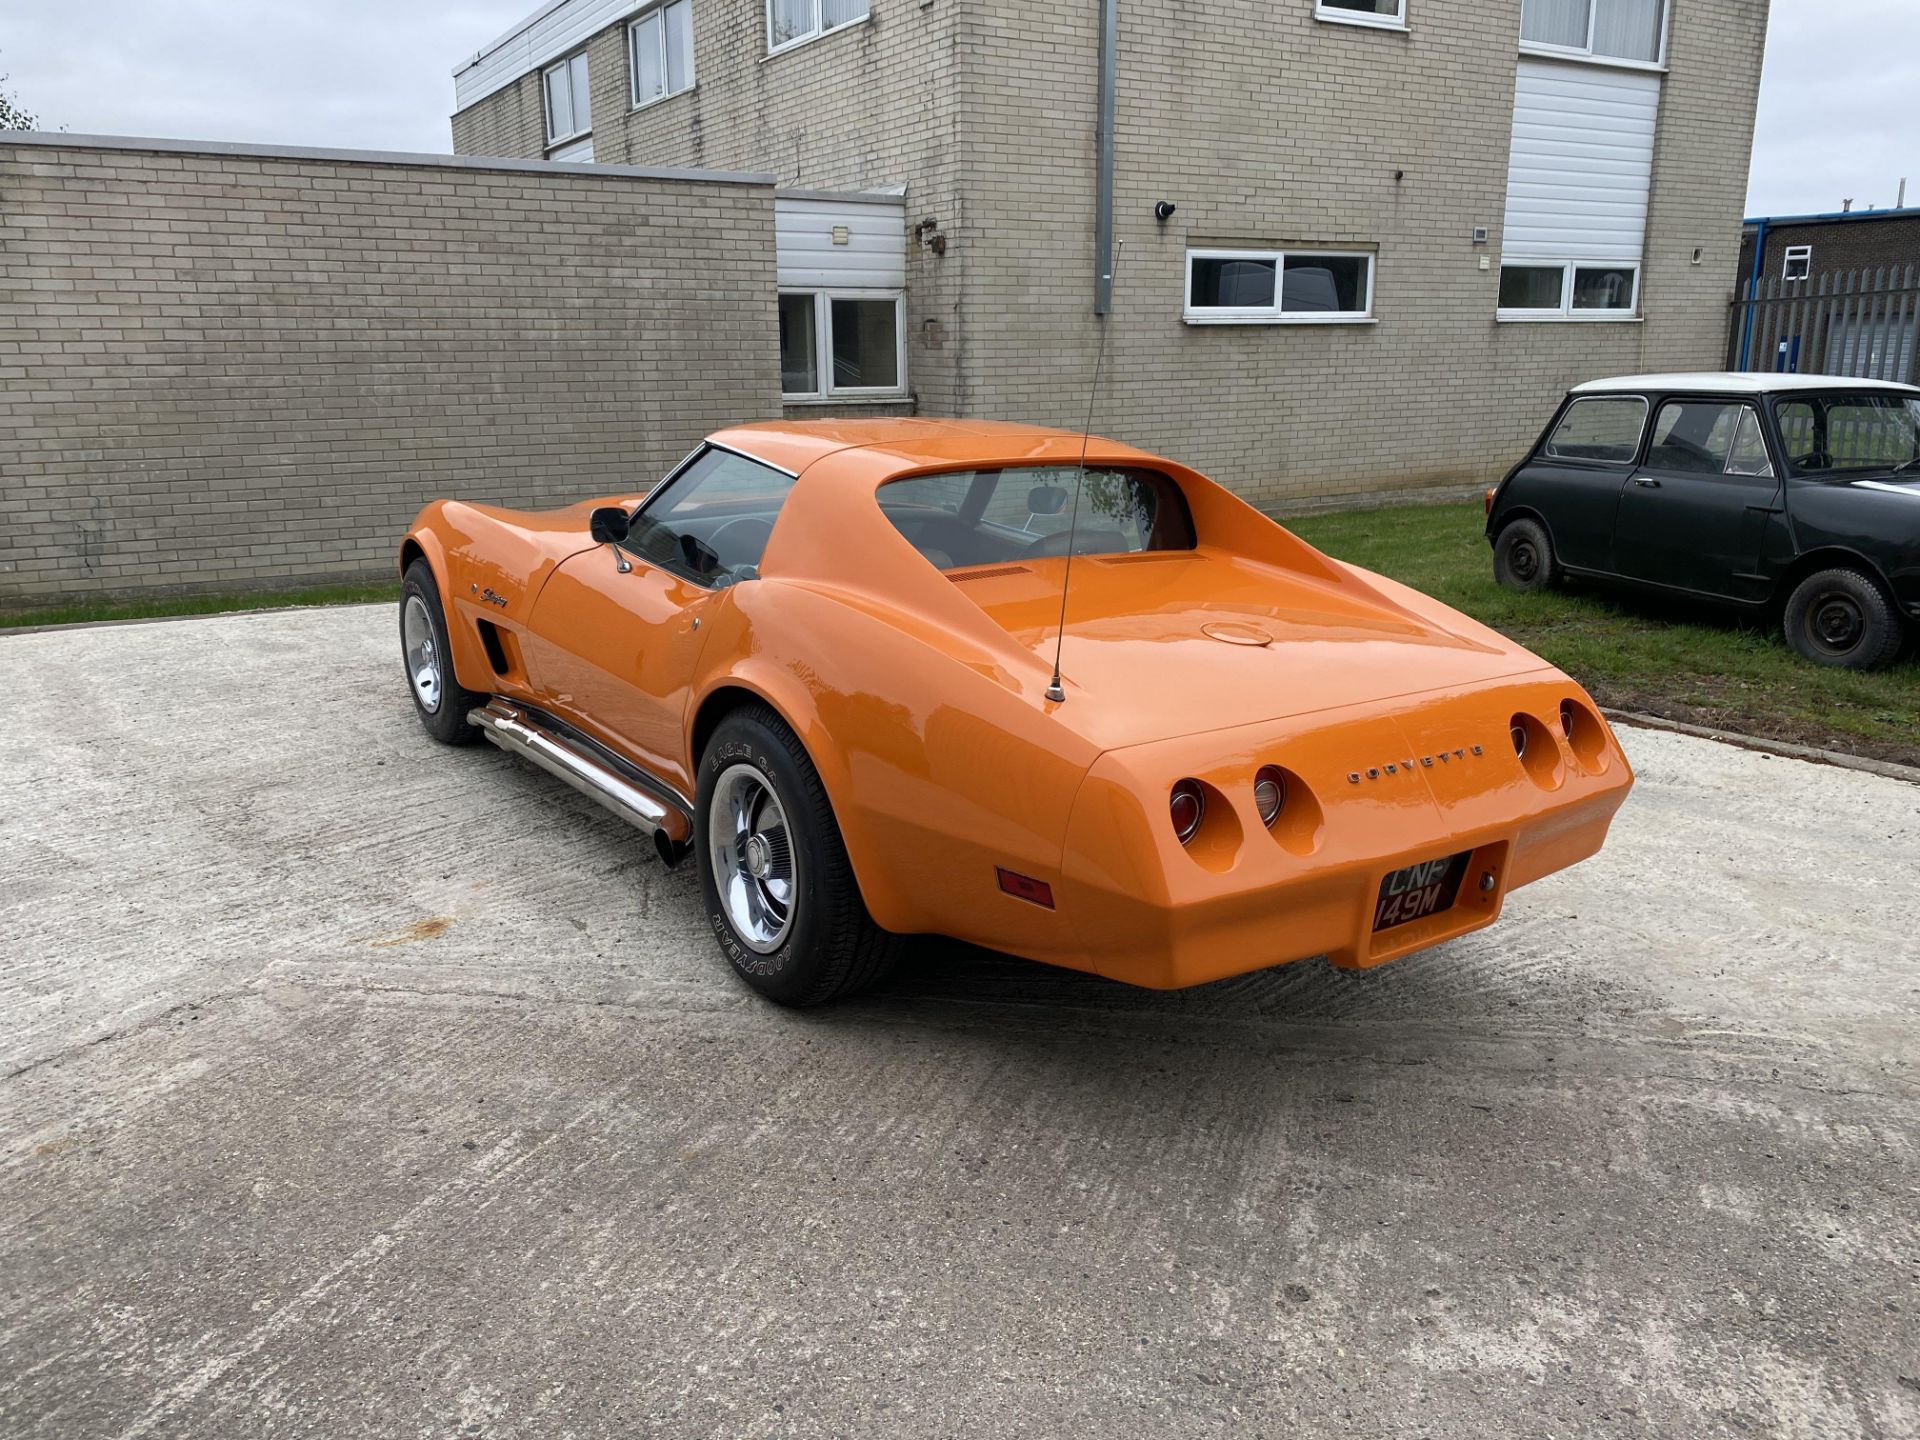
423, 659
755, 869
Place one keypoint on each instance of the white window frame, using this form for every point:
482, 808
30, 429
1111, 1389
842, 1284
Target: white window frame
1564, 311
815, 33
1324, 11
574, 152
823, 345
633, 54
1797, 252
565, 62
1273, 314
1585, 53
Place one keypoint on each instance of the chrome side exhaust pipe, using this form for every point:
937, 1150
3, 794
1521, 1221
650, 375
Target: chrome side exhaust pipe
522, 732
672, 852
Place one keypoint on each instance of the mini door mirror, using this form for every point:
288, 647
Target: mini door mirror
609, 525
1047, 499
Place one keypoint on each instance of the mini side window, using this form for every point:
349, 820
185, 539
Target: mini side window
1694, 436
1599, 431
1749, 449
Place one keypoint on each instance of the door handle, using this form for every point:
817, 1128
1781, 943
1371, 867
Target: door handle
1647, 484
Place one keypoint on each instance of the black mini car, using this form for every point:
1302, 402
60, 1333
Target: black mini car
1798, 494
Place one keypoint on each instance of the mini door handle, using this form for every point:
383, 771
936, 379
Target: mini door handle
1645, 484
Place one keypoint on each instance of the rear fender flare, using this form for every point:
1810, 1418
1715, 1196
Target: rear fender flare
782, 692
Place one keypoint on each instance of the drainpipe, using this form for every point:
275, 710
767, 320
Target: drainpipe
1753, 300
1103, 204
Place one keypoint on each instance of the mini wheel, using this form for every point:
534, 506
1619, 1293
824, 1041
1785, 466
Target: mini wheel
781, 896
439, 699
1842, 617
1523, 557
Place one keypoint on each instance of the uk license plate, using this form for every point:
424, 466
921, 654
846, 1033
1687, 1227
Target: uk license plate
1418, 891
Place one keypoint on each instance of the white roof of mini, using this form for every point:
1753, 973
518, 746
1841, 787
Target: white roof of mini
1738, 382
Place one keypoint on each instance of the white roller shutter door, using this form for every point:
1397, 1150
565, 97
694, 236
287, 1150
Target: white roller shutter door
840, 244
1581, 164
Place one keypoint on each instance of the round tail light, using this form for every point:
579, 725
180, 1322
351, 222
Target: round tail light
1566, 718
1187, 806
1269, 793
1519, 734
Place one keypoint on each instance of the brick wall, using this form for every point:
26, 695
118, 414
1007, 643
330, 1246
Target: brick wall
1838, 246
511, 123
871, 106
246, 369
1265, 126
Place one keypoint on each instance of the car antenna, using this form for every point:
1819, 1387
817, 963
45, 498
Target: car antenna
1054, 691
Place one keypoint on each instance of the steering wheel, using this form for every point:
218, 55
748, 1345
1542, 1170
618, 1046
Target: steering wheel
741, 528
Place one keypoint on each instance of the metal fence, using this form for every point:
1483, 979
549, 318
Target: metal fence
1862, 323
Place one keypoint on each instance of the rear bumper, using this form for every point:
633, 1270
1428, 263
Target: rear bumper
1368, 793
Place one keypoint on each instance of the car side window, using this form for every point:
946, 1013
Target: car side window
1604, 430
711, 522
1695, 436
1749, 448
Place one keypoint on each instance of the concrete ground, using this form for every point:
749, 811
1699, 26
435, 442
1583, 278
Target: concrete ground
354, 1086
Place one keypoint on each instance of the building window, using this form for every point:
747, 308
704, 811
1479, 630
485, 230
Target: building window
1391, 13
1574, 291
1627, 31
1269, 287
839, 344
660, 52
789, 22
569, 107
1799, 262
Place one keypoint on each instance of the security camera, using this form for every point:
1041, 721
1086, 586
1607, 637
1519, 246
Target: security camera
1164, 210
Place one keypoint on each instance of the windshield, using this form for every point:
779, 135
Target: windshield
1849, 432
989, 517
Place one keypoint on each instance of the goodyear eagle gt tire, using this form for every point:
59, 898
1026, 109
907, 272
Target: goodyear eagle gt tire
1523, 557
439, 699
1841, 617
780, 892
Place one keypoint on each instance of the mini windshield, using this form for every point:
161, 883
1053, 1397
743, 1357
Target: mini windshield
988, 517
1847, 432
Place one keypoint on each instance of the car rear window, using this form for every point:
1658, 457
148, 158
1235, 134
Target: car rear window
1603, 430
988, 517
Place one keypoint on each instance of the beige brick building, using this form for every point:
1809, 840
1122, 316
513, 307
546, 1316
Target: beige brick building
1398, 227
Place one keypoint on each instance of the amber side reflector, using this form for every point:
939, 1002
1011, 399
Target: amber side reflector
1025, 887
1489, 502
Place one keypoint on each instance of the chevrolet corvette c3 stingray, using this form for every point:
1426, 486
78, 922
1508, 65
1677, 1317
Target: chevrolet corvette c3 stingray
820, 659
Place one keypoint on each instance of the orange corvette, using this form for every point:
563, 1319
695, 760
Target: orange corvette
820, 658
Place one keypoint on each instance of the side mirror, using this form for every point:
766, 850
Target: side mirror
1047, 499
609, 525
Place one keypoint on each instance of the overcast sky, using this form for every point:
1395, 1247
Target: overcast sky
1838, 118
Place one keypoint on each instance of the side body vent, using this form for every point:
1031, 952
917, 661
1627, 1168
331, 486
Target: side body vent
987, 572
496, 652
1142, 556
